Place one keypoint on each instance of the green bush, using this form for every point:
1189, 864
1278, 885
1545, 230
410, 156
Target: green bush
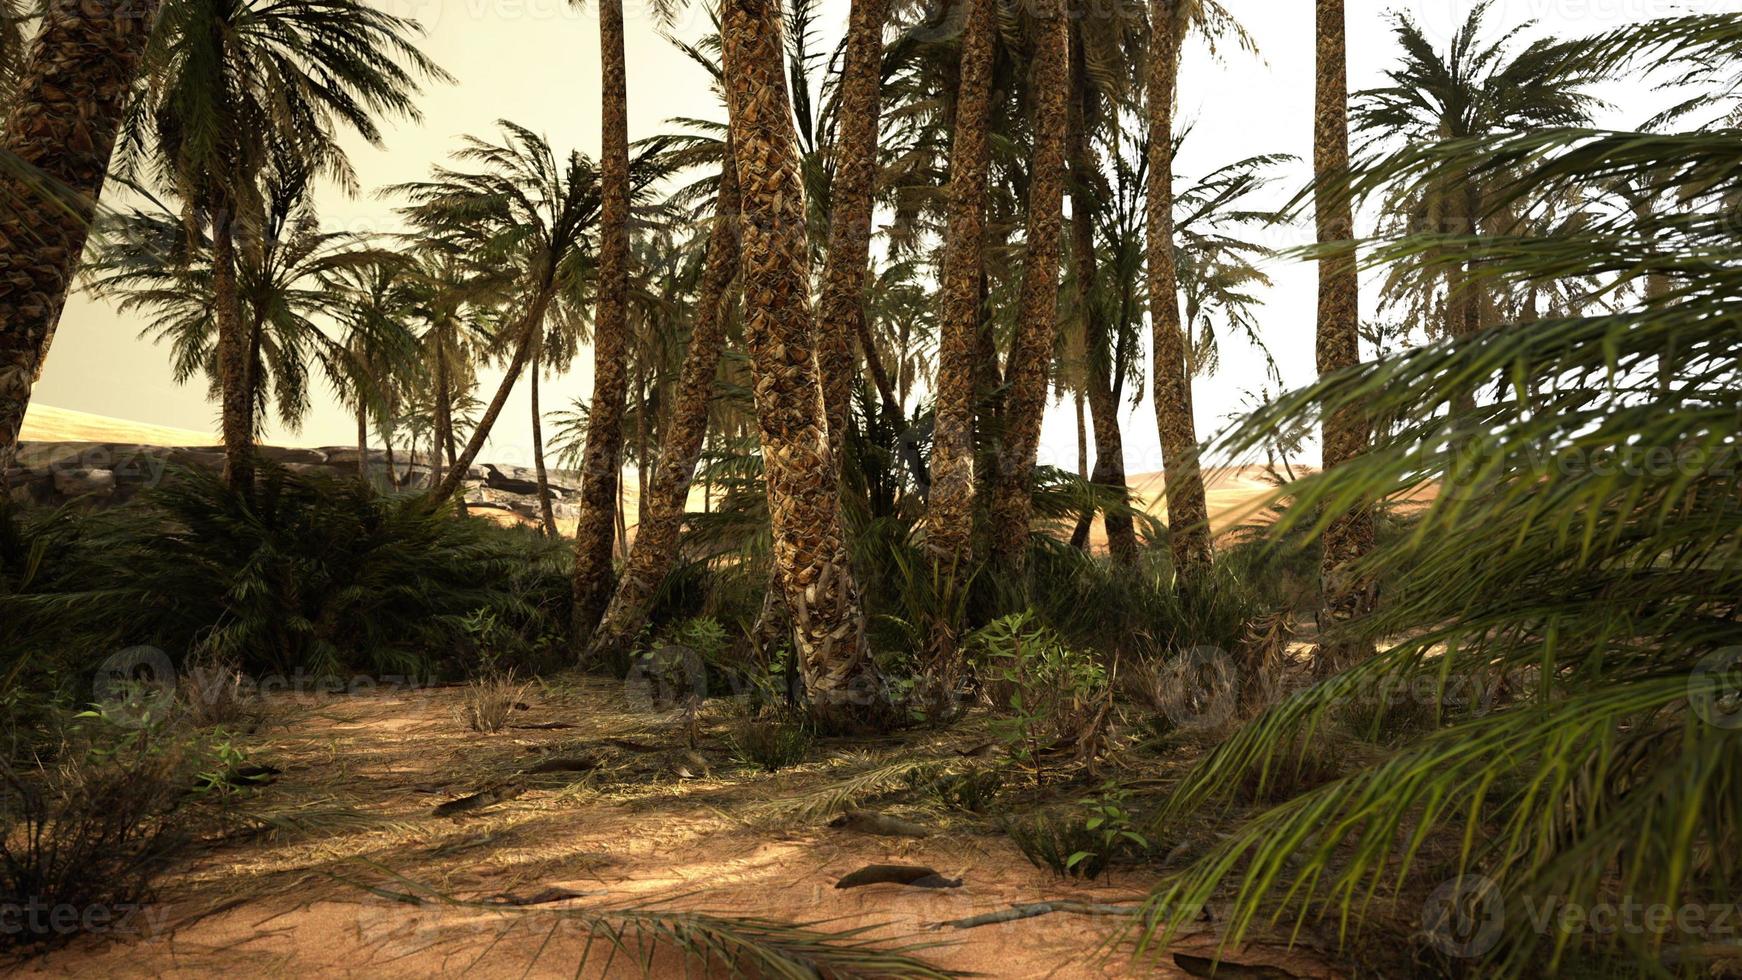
770, 740
313, 576
1045, 691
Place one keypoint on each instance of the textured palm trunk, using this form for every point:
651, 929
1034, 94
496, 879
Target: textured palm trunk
1348, 537
526, 335
58, 138
810, 551
841, 311
601, 464
1082, 433
950, 516
362, 440
392, 464
1031, 355
235, 355
442, 456
1187, 511
656, 540
543, 475
1109, 468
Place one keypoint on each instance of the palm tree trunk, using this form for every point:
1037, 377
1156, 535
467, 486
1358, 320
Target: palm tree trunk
810, 549
1187, 509
841, 312
950, 517
442, 453
544, 507
525, 336
362, 439
1348, 537
235, 348
1103, 401
1082, 434
656, 540
58, 137
602, 460
1031, 355
392, 464
648, 408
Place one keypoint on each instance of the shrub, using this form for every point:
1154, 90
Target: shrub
1049, 692
1304, 764
490, 702
92, 832
218, 696
770, 740
973, 791
312, 575
1084, 843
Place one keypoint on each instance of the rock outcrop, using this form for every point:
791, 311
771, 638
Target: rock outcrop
96, 474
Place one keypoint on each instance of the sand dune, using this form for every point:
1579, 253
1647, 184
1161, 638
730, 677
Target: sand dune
44, 423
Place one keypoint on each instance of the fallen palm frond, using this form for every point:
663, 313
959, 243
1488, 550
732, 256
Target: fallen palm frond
846, 793
317, 818
743, 946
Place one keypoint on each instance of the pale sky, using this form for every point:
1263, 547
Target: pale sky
536, 62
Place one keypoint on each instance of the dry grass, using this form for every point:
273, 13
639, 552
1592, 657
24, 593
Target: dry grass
217, 696
491, 701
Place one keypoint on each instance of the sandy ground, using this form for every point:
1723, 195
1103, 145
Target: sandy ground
353, 806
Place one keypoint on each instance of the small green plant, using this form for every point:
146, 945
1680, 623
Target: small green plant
1111, 821
1050, 841
770, 740
1048, 692
225, 768
702, 634
1085, 843
973, 791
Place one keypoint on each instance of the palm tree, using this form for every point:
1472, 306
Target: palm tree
1031, 354
1188, 512
380, 348
1472, 89
950, 518
664, 500
810, 549
841, 316
59, 134
1094, 327
600, 468
1349, 536
17, 28
287, 286
519, 210
1601, 593
234, 84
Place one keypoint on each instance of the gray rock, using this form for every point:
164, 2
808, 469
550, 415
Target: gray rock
84, 483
